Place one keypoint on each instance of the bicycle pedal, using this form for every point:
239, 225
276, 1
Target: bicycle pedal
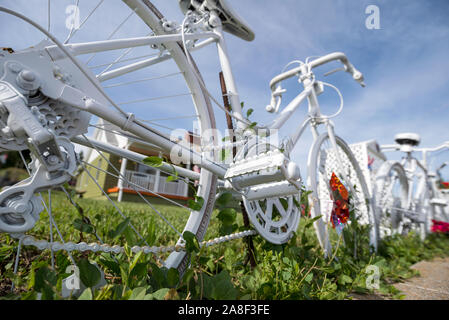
272, 190
272, 166
439, 202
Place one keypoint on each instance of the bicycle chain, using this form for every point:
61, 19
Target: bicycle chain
106, 248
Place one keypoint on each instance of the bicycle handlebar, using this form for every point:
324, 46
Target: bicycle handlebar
444, 145
390, 147
395, 147
356, 75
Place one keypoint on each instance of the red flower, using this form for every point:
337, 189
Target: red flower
439, 226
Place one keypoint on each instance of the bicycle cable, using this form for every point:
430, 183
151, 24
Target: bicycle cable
340, 109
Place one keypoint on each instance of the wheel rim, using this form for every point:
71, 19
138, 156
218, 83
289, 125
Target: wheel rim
391, 197
322, 164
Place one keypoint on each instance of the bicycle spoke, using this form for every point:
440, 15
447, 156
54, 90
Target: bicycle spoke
112, 34
153, 99
113, 203
120, 84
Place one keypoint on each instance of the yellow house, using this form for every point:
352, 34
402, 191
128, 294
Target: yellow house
148, 181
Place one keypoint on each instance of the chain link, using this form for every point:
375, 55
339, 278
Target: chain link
106, 248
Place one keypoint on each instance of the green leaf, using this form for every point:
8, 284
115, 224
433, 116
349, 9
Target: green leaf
45, 281
223, 287
138, 294
139, 272
86, 295
111, 265
227, 216
89, 273
192, 244
171, 178
172, 277
343, 279
249, 112
188, 275
207, 285
158, 277
224, 199
135, 260
252, 125
311, 221
227, 229
286, 275
309, 277
195, 205
130, 236
153, 161
82, 226
120, 229
161, 293
151, 232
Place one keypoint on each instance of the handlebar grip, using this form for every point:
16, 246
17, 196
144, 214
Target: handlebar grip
358, 76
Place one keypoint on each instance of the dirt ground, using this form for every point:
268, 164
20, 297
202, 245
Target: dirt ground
432, 284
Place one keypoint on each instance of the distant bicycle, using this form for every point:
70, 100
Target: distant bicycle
407, 191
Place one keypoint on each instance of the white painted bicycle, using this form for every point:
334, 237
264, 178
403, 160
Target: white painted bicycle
411, 199
50, 95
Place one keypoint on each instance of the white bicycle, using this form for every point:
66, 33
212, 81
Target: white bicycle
50, 92
416, 200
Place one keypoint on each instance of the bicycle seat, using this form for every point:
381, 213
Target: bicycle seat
230, 20
412, 139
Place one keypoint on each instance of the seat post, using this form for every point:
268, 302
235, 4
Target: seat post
226, 68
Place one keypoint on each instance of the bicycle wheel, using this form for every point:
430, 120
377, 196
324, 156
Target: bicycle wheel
324, 165
420, 212
175, 100
391, 187
425, 209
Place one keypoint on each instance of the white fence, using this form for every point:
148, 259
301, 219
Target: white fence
154, 183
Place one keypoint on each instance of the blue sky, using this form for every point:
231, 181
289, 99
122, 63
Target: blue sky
405, 63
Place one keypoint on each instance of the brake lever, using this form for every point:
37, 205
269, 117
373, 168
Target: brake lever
334, 71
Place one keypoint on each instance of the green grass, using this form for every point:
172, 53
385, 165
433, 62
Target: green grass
296, 270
